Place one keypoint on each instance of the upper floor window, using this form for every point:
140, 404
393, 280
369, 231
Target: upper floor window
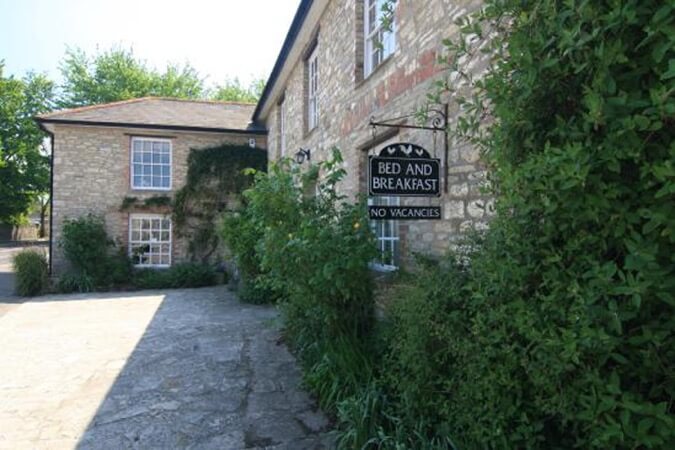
312, 90
150, 163
380, 43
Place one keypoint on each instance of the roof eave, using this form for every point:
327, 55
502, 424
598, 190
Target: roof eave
253, 129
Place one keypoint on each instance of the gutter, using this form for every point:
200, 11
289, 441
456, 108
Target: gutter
51, 193
145, 126
291, 36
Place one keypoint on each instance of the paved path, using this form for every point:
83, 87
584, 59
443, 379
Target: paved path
6, 271
174, 369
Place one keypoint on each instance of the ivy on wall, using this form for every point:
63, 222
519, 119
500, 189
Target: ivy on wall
158, 201
216, 176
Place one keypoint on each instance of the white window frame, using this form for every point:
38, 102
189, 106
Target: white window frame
384, 240
133, 243
312, 90
132, 171
282, 128
374, 34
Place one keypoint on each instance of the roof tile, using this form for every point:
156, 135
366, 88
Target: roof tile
162, 111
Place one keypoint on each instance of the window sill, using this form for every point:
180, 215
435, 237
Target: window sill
375, 71
152, 189
383, 268
309, 133
152, 266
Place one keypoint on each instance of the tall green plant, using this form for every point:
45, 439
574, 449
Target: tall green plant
89, 251
562, 335
31, 270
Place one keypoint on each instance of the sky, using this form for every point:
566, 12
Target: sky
221, 39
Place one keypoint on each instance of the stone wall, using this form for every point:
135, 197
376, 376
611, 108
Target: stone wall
91, 175
396, 88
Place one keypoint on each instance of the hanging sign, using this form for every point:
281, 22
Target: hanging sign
404, 212
404, 170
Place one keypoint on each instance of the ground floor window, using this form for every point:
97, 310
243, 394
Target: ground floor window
150, 240
388, 239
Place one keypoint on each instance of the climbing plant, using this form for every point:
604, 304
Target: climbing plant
215, 177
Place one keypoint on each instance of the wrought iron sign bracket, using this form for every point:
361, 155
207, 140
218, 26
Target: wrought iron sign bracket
438, 123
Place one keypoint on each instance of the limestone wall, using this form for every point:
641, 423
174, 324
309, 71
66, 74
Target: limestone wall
396, 88
92, 170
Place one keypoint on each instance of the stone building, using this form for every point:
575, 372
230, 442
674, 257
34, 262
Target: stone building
138, 149
337, 69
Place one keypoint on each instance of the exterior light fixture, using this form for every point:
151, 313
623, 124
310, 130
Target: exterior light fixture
302, 155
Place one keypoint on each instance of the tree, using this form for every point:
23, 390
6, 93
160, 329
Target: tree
233, 91
117, 74
24, 163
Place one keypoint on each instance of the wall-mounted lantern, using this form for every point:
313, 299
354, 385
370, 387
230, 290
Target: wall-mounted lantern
302, 155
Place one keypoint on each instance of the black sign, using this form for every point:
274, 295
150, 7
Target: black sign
404, 212
404, 170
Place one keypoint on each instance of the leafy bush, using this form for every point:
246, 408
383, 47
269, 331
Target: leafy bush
31, 270
91, 254
315, 250
312, 252
556, 330
241, 233
75, 282
185, 275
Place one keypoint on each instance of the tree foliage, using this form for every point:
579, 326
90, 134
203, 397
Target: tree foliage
24, 165
117, 74
234, 91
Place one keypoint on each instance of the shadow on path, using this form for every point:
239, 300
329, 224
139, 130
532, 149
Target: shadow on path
208, 373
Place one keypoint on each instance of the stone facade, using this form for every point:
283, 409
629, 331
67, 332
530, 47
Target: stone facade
92, 169
397, 87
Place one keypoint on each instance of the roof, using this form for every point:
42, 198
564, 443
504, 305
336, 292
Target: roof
291, 36
159, 112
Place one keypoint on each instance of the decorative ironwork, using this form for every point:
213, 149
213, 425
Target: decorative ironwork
437, 120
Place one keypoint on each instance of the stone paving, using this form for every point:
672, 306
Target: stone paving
171, 369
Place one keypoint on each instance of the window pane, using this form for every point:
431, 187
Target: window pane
147, 157
157, 171
137, 156
165, 147
146, 146
166, 224
156, 158
138, 182
164, 158
138, 145
156, 146
135, 235
166, 182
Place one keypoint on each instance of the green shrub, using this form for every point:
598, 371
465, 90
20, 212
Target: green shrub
241, 233
184, 275
31, 270
312, 253
558, 332
75, 282
92, 255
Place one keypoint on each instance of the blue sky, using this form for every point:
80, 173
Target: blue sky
220, 38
